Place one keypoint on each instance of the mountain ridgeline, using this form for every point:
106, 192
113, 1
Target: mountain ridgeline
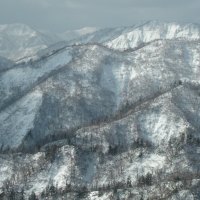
107, 114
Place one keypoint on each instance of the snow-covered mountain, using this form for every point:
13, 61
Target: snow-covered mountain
19, 41
94, 121
138, 35
154, 30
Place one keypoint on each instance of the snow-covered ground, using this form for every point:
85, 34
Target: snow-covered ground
18, 119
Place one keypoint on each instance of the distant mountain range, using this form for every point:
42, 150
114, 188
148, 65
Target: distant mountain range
19, 41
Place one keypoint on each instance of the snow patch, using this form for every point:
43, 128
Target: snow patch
18, 119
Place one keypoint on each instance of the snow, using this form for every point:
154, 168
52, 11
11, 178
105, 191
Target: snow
20, 76
5, 171
65, 165
18, 119
19, 41
56, 173
184, 194
92, 82
192, 56
116, 76
18, 79
161, 125
154, 31
94, 196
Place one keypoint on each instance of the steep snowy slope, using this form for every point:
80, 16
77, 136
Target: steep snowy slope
24, 77
19, 41
153, 31
140, 34
92, 122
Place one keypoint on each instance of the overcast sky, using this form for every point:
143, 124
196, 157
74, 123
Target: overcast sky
61, 15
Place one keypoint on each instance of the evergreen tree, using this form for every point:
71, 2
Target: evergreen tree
148, 179
32, 196
129, 184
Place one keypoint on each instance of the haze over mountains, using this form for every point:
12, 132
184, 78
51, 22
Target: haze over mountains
104, 114
19, 41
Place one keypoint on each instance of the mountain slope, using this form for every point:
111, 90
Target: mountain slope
155, 31
90, 121
140, 34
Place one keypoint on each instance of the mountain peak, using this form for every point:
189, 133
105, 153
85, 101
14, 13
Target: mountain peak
18, 41
154, 30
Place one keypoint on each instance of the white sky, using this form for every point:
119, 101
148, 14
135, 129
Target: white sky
61, 15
